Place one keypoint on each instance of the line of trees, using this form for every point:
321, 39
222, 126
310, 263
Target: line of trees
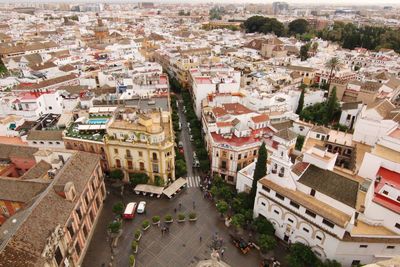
348, 35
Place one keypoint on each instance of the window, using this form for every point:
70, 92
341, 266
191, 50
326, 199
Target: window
79, 212
263, 203
130, 166
140, 154
70, 229
254, 152
363, 246
318, 237
128, 153
310, 213
41, 142
318, 135
58, 256
397, 225
118, 163
385, 192
223, 164
290, 220
277, 212
78, 248
115, 150
294, 204
239, 156
390, 247
50, 143
328, 223
306, 230
279, 196
312, 193
141, 166
35, 142
57, 143
265, 188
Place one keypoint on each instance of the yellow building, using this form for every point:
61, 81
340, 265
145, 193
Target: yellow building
142, 142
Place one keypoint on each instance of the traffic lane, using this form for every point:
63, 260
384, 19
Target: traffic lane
184, 137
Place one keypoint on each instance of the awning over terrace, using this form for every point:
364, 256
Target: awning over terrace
175, 187
149, 189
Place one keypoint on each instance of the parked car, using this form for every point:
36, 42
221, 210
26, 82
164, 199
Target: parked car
181, 150
196, 163
130, 209
141, 207
180, 144
191, 138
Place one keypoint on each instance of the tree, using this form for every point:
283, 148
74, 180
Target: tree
264, 25
304, 52
299, 142
118, 208
116, 174
266, 243
158, 181
263, 226
298, 26
238, 220
260, 169
331, 263
332, 106
180, 168
301, 102
222, 207
301, 255
138, 178
333, 64
114, 227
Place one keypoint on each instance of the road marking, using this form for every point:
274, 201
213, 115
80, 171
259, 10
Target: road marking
193, 181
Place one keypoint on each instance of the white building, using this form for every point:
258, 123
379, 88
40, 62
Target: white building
311, 204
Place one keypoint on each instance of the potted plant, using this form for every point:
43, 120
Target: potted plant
168, 218
192, 216
156, 220
145, 225
132, 260
181, 217
138, 235
134, 246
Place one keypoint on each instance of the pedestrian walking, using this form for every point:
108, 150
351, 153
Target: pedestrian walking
180, 206
201, 239
175, 210
222, 252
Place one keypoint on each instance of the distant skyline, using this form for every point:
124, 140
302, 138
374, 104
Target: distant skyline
309, 2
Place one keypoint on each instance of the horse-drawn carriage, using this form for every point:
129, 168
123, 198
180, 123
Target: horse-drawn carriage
241, 244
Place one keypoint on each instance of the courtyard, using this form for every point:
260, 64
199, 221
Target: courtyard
180, 247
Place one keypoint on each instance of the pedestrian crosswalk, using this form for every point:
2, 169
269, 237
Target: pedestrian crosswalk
193, 181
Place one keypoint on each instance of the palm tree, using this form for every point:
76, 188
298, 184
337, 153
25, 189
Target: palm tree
334, 64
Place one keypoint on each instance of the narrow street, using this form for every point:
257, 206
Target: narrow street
185, 138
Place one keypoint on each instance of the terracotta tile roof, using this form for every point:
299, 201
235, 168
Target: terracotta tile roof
236, 109
29, 239
260, 118
48, 135
36, 172
46, 83
13, 189
286, 134
334, 215
383, 108
300, 167
8, 151
331, 184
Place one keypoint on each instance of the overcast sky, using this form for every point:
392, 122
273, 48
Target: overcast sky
312, 2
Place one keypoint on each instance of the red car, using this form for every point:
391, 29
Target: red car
181, 150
